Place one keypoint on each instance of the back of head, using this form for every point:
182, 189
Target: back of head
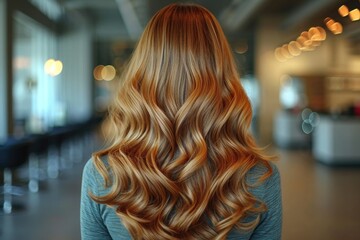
181, 147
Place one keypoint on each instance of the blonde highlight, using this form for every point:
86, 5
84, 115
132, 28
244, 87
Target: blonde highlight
177, 166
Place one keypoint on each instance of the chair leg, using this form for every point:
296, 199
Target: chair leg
53, 162
7, 204
33, 173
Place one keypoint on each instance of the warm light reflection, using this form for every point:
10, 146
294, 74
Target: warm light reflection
285, 51
307, 41
305, 34
108, 73
354, 15
278, 55
57, 68
301, 40
53, 67
337, 28
48, 66
97, 72
332, 27
315, 43
308, 48
21, 62
322, 34
294, 48
242, 48
329, 22
314, 34
343, 11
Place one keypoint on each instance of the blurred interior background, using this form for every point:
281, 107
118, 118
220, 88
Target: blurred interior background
60, 60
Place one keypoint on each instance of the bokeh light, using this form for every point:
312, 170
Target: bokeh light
343, 11
294, 48
48, 66
337, 28
278, 55
97, 72
108, 73
354, 14
242, 48
57, 68
285, 51
329, 22
322, 34
53, 67
306, 41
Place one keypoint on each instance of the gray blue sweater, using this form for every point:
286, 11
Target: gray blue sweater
99, 222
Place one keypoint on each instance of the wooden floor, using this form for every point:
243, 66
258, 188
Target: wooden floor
319, 202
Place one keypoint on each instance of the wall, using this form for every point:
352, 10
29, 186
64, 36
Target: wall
75, 50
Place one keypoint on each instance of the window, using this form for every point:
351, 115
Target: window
34, 92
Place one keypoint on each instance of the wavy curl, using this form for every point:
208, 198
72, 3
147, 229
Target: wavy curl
181, 147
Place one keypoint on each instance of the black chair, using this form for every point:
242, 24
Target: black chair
13, 154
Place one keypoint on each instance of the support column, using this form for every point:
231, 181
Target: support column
4, 69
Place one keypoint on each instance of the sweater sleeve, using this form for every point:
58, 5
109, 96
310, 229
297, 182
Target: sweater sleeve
91, 222
270, 225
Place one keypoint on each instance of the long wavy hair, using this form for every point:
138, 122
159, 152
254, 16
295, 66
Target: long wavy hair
181, 148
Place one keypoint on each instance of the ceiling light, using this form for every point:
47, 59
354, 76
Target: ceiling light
305, 34
343, 11
314, 34
338, 28
108, 73
53, 67
294, 48
285, 51
242, 48
354, 14
308, 48
329, 22
327, 19
58, 67
307, 38
97, 72
315, 43
278, 55
322, 33
301, 40
49, 66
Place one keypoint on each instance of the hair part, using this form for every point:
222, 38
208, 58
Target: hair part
182, 149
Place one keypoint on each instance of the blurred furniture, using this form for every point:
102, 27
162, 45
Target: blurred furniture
38, 149
336, 140
287, 131
56, 160
13, 154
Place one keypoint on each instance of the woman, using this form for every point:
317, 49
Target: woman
182, 163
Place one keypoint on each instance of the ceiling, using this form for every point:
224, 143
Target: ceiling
119, 22
125, 19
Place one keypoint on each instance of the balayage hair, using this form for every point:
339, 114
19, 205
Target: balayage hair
177, 164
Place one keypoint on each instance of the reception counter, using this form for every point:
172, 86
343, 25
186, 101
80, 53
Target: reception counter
287, 131
336, 140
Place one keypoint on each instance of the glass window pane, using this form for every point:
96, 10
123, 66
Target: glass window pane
33, 90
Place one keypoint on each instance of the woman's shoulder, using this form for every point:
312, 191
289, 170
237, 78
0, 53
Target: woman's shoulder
90, 168
91, 175
256, 172
271, 185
